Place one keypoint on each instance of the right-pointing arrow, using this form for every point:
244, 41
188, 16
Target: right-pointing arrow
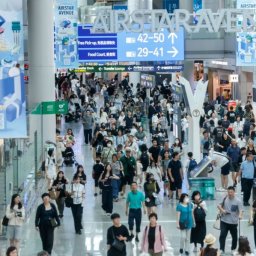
174, 52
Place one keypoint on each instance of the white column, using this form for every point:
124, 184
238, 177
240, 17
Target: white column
41, 62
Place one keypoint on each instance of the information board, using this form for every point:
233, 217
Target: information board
171, 5
163, 46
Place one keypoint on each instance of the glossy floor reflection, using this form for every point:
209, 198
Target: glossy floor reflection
93, 239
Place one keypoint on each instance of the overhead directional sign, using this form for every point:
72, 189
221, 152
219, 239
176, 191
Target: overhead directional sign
162, 46
131, 68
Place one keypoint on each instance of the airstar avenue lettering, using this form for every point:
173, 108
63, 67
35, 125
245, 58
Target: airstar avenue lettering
138, 21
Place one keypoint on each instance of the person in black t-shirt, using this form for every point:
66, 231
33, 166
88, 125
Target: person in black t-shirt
231, 115
117, 232
154, 152
97, 170
175, 175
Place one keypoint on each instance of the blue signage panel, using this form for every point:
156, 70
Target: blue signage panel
120, 7
163, 46
197, 5
171, 5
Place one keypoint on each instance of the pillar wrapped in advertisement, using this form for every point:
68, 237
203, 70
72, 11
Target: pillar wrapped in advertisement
12, 87
66, 16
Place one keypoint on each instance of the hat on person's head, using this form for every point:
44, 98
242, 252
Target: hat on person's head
210, 239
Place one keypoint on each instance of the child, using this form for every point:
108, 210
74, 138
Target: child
98, 169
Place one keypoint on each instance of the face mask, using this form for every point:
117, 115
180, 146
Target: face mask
151, 178
186, 200
176, 141
109, 145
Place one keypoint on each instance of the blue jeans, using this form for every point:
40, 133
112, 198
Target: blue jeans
115, 186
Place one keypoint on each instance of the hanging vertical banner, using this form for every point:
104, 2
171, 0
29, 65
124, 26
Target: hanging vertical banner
171, 5
12, 87
66, 16
197, 5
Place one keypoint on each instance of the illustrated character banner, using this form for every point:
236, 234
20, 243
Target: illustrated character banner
12, 88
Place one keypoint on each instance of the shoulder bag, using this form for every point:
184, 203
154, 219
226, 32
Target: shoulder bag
216, 224
118, 245
69, 199
5, 221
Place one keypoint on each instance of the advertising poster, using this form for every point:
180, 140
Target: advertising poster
198, 70
197, 5
171, 5
246, 41
66, 17
12, 87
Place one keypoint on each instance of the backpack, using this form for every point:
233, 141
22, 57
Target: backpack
144, 158
199, 214
99, 148
192, 165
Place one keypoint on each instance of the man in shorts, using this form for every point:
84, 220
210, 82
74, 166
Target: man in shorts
233, 153
97, 170
175, 175
129, 169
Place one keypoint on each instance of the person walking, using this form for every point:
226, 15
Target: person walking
107, 191
50, 167
88, 123
247, 170
117, 168
185, 221
59, 186
78, 195
231, 212
209, 249
117, 235
129, 165
151, 189
15, 212
97, 170
175, 175
46, 220
198, 232
11, 251
153, 240
135, 201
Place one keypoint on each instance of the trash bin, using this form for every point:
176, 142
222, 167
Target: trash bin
205, 185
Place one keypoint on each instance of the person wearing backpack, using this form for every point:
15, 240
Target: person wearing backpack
191, 164
198, 232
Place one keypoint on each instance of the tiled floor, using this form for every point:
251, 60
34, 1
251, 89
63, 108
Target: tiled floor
93, 240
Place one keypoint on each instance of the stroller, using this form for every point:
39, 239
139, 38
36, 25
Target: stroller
69, 157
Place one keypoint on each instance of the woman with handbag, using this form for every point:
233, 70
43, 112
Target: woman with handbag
153, 241
59, 189
78, 194
117, 235
105, 183
15, 212
151, 190
185, 222
46, 220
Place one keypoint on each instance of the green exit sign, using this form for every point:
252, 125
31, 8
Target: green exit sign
51, 108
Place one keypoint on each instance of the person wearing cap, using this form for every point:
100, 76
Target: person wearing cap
45, 214
209, 249
129, 168
117, 232
233, 153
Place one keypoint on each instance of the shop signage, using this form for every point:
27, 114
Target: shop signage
131, 68
139, 21
171, 5
233, 78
